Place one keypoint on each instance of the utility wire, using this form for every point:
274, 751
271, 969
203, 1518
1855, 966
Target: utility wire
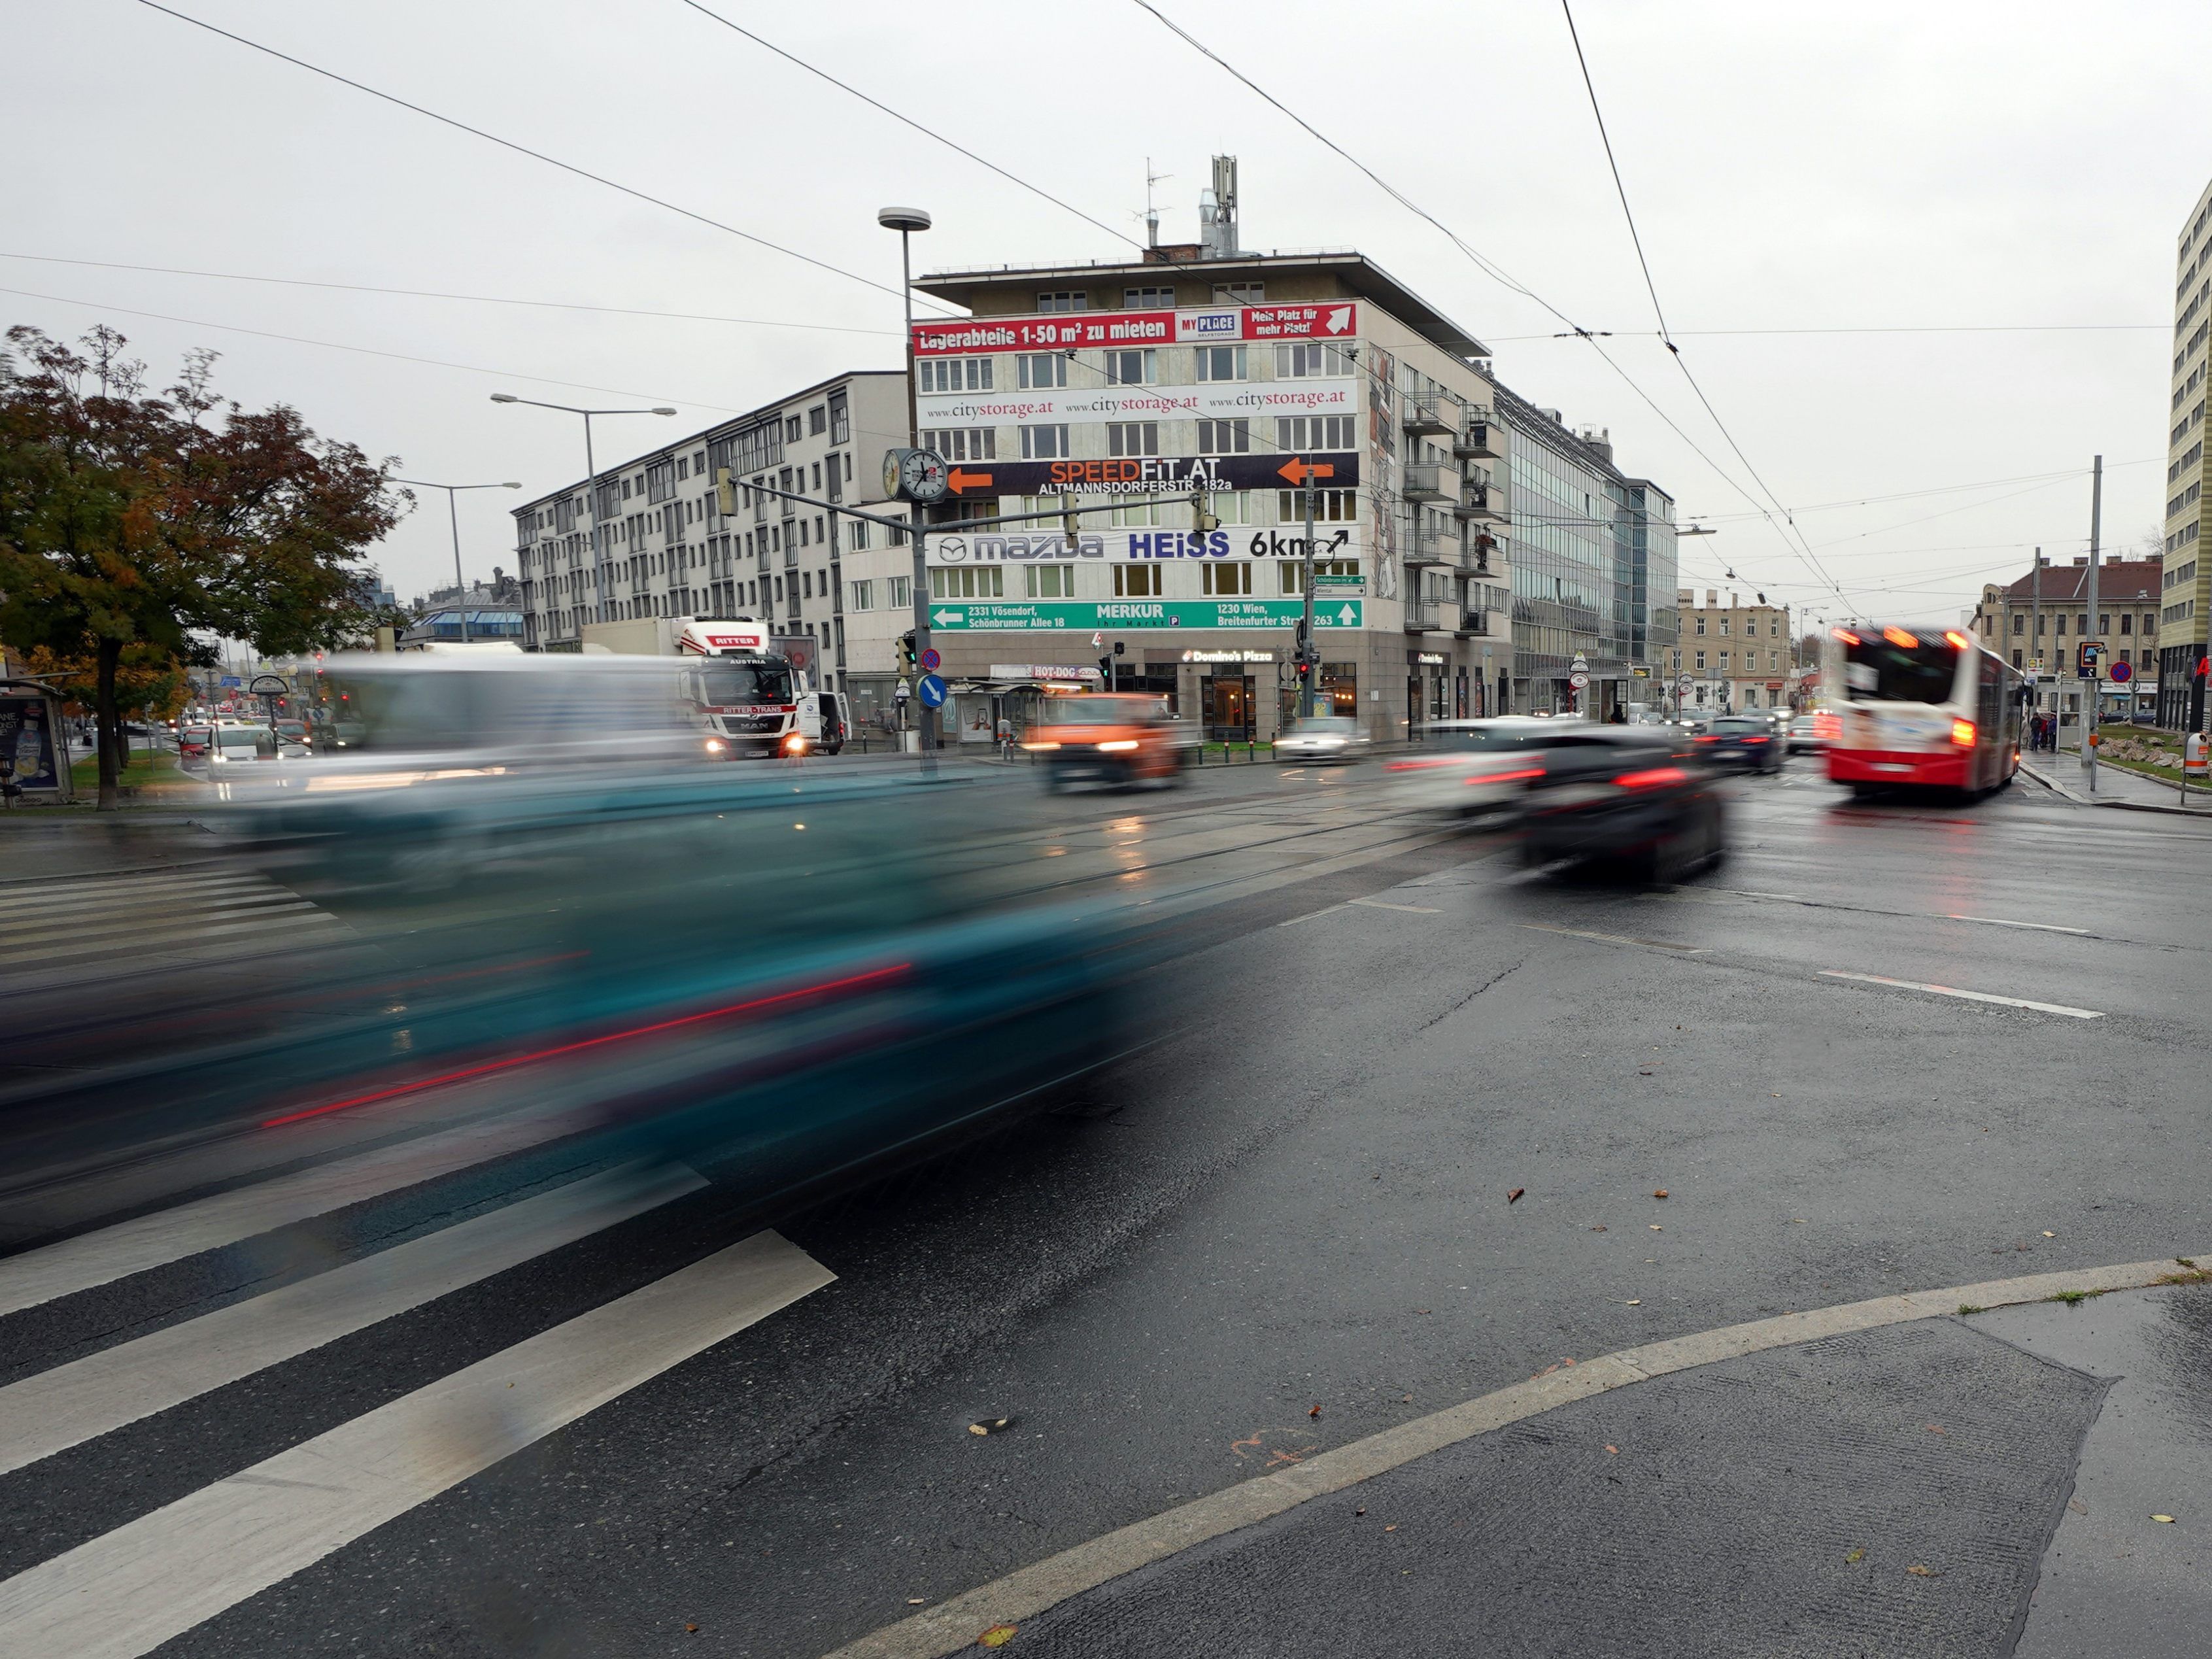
1928, 328
908, 120
365, 351
1488, 266
1567, 8
436, 294
534, 155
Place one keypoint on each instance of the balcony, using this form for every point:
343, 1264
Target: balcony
1474, 624
1431, 547
1477, 442
1484, 500
1429, 482
1422, 617
1431, 414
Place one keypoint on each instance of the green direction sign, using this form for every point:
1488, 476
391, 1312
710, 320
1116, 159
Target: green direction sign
1047, 615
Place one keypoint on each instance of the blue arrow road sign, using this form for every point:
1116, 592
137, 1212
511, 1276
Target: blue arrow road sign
932, 691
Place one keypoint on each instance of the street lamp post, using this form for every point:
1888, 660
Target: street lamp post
453, 518
599, 582
907, 221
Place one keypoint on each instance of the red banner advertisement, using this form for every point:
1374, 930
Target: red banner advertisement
1225, 324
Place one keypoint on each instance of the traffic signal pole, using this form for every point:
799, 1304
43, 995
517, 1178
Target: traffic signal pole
1310, 671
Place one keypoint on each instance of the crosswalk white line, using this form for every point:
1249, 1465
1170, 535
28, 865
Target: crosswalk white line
70, 1403
172, 919
54, 907
123, 1594
100, 1257
183, 931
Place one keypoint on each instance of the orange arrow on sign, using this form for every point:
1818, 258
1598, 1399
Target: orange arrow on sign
959, 481
1299, 472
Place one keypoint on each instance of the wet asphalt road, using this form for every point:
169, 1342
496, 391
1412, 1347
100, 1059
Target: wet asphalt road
1296, 1199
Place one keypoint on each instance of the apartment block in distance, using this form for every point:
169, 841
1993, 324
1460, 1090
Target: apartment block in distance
2185, 581
1734, 657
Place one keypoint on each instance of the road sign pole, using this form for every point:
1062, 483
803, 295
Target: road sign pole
2096, 674
925, 725
1311, 658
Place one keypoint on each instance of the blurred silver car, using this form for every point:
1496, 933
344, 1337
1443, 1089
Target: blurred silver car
1478, 770
1323, 738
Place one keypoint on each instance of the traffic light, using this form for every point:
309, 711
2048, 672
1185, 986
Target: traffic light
906, 648
1120, 649
1068, 519
726, 492
1202, 520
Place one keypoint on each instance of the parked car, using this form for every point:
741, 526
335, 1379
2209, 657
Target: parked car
1477, 771
1748, 742
1108, 737
1634, 800
1323, 737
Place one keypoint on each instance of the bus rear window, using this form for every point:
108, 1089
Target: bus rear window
1878, 669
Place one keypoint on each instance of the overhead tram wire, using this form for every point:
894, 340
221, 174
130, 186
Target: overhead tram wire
1928, 328
534, 155
365, 351
1644, 264
907, 121
437, 294
1487, 266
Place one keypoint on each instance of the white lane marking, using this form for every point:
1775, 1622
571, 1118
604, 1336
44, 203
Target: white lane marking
207, 1224
1309, 916
172, 921
1971, 996
1410, 910
59, 1408
180, 936
128, 1591
1615, 939
2039, 926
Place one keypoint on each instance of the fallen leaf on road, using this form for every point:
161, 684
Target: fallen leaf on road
2050, 1235
1597, 1229
997, 1637
689, 1629
1616, 1450
1359, 1511
1935, 1428
913, 1601
1316, 1411
1420, 1310
1855, 1557
2166, 1518
1393, 1527
1656, 1228
2077, 1506
1923, 1572
989, 1426
1633, 1302
1660, 1193
1796, 1220
1514, 1197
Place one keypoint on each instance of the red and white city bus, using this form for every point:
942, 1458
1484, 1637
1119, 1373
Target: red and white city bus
1906, 706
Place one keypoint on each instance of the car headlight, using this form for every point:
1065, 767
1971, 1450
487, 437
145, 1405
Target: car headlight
1116, 744
716, 746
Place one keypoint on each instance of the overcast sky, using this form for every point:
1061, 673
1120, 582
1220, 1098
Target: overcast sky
1794, 168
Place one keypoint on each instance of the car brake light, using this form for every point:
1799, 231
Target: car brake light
1516, 775
1652, 777
1414, 765
1962, 733
1755, 739
1707, 737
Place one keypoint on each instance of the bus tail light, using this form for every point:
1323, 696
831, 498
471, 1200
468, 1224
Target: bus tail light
1828, 727
1900, 638
1846, 635
1962, 733
1958, 640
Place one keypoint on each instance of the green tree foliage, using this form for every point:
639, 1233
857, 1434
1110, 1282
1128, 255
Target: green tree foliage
142, 527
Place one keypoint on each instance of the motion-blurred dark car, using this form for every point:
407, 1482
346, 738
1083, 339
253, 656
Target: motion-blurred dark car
1745, 742
1625, 798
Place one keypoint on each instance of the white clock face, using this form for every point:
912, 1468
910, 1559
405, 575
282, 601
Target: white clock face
922, 476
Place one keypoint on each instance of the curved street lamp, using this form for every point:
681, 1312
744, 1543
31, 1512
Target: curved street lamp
453, 517
591, 480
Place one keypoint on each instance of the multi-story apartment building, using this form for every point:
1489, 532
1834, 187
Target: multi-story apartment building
2185, 580
1735, 657
647, 538
2036, 623
1592, 547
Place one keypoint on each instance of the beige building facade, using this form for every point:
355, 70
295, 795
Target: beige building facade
2185, 579
1734, 657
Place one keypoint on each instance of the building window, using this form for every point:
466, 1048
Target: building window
962, 443
1148, 299
1305, 435
1724, 625
898, 592
2019, 624
1227, 578
954, 374
1724, 657
1132, 438
1051, 581
1701, 629
1221, 363
818, 419
1044, 443
861, 595
1064, 300
1240, 294
1040, 370
1133, 367
1302, 362
966, 581
1701, 657
859, 535
1225, 437
1136, 582
791, 430
2016, 658
1330, 505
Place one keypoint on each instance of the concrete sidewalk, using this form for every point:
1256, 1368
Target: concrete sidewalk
2061, 773
2035, 1479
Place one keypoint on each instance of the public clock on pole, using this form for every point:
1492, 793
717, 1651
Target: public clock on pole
915, 474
